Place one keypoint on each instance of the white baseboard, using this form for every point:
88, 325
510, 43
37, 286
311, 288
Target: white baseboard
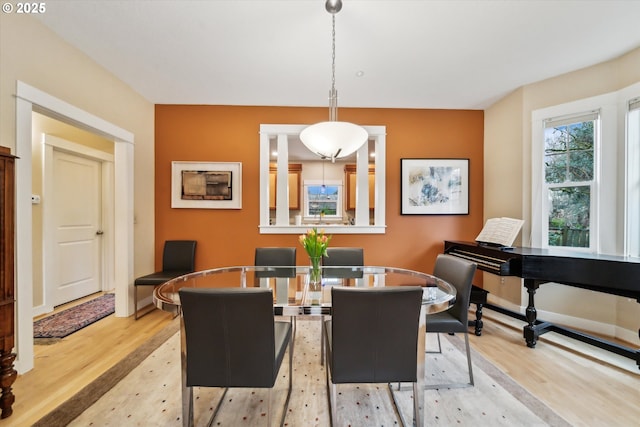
142, 303
42, 309
578, 323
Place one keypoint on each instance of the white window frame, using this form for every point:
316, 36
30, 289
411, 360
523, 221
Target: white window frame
631, 105
603, 233
329, 183
593, 188
617, 210
282, 134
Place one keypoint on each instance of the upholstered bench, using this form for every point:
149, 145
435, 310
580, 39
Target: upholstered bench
479, 298
178, 258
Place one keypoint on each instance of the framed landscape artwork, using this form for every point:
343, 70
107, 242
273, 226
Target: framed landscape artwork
206, 185
434, 186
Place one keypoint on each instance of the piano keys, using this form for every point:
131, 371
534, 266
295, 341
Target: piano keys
501, 263
610, 274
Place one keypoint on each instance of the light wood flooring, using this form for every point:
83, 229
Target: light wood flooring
586, 386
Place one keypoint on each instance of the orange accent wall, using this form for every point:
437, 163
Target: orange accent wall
231, 134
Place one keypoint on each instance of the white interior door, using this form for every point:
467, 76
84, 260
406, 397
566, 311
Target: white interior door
76, 201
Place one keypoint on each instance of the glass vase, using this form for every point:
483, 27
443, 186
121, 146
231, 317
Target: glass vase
315, 270
315, 279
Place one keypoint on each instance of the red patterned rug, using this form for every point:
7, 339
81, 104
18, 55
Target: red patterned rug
66, 322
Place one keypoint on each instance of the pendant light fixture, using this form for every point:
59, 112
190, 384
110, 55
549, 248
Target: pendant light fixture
333, 139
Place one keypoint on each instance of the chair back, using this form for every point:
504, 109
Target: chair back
179, 255
374, 334
229, 336
353, 257
275, 257
459, 273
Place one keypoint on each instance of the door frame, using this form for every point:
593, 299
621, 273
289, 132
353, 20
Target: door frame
29, 99
50, 144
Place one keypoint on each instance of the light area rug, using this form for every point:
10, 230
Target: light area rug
150, 394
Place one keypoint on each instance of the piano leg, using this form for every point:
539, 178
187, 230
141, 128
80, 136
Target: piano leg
479, 298
478, 324
530, 331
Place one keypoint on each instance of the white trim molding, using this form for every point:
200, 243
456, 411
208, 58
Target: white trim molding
29, 99
283, 134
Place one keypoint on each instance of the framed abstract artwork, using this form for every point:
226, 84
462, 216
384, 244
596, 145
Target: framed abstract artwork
434, 186
206, 185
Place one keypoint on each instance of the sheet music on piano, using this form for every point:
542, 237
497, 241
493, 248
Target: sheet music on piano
500, 231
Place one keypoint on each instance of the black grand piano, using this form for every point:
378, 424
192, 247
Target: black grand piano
610, 274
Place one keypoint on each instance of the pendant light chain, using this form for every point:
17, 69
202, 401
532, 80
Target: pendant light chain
323, 188
333, 95
332, 139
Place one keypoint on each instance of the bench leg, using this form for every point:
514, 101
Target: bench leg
137, 315
135, 302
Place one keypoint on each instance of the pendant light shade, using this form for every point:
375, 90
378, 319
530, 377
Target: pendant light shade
333, 139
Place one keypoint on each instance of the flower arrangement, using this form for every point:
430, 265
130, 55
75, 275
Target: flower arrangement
315, 243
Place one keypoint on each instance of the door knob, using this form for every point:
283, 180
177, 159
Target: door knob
99, 232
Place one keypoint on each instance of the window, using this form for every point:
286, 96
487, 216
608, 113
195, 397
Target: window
569, 164
585, 180
323, 200
633, 178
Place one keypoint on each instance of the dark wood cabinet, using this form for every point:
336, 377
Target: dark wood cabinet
7, 295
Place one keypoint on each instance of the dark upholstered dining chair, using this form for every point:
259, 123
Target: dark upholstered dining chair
275, 256
337, 257
178, 258
459, 273
231, 340
372, 337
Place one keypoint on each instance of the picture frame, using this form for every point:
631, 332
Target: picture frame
206, 185
434, 186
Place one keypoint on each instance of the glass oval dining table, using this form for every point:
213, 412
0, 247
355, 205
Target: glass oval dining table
296, 292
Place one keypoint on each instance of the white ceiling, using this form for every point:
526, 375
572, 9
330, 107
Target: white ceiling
450, 54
